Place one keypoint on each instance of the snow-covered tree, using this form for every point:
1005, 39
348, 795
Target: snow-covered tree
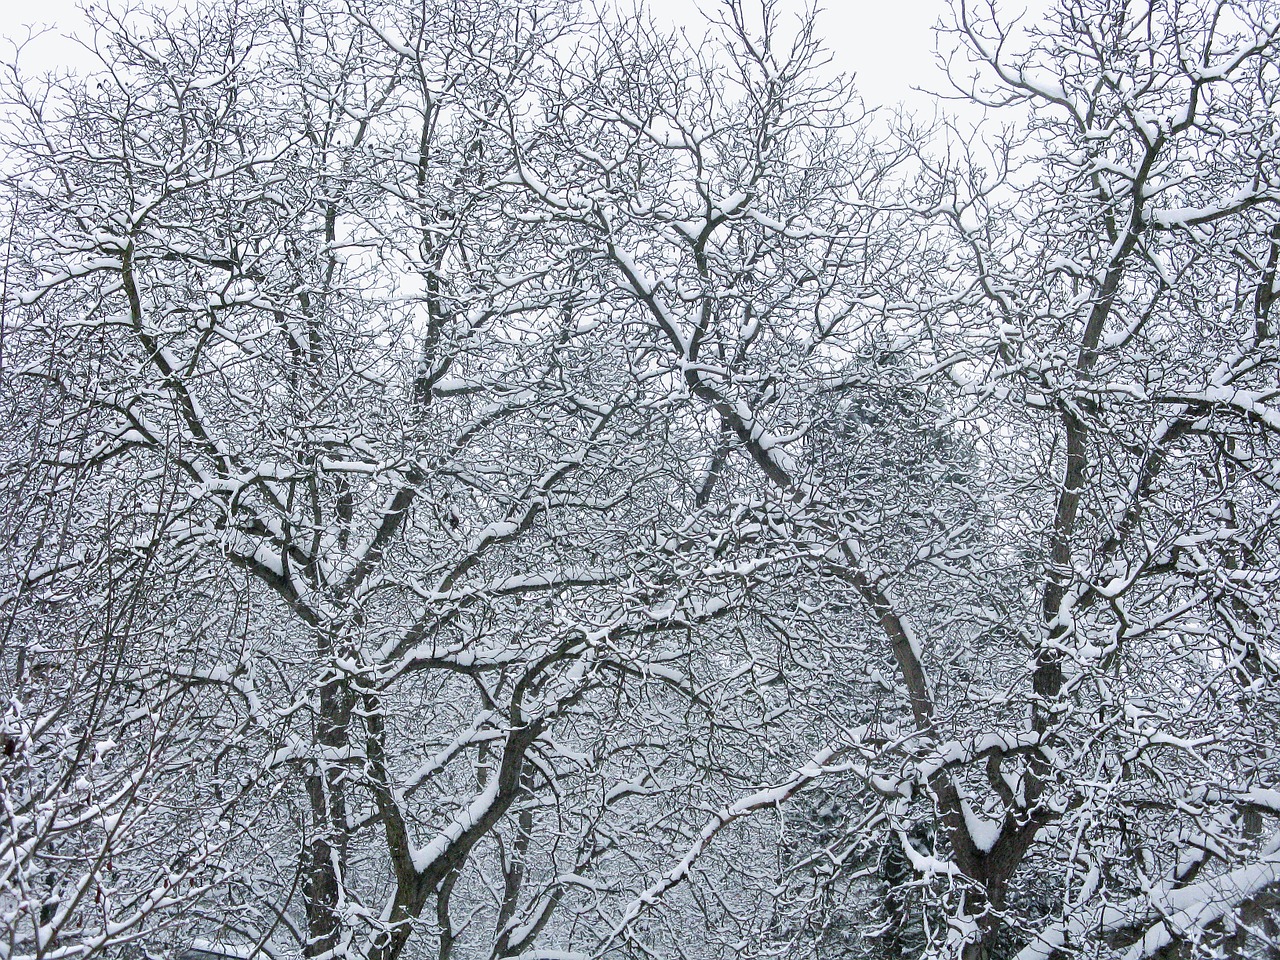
1104, 325
434, 609
1085, 678
491, 479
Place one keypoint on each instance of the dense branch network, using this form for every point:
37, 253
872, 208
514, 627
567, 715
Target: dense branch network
491, 480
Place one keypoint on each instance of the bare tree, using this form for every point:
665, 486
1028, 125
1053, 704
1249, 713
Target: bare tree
474, 465
429, 595
1085, 678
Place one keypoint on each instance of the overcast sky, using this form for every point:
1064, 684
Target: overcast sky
888, 44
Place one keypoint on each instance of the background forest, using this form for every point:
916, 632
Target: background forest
493, 478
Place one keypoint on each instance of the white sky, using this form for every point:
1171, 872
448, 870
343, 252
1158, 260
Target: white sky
888, 44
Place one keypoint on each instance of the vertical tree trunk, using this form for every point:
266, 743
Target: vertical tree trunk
325, 857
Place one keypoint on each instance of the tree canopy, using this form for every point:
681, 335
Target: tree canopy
492, 479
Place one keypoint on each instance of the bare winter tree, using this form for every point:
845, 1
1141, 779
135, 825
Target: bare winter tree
393, 523
403, 525
485, 479
1083, 711
1092, 677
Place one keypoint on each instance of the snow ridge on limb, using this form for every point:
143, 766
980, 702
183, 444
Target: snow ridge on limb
1178, 913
